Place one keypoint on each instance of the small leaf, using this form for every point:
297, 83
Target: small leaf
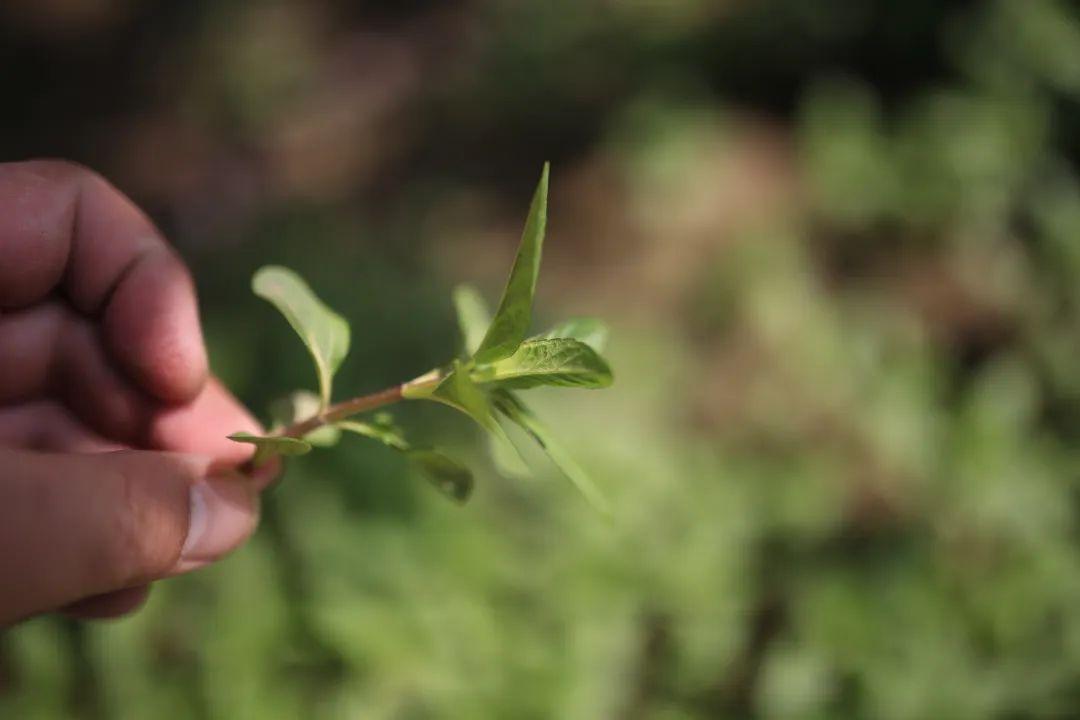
473, 316
324, 332
512, 319
448, 475
298, 407
459, 392
266, 447
591, 331
560, 361
517, 412
387, 435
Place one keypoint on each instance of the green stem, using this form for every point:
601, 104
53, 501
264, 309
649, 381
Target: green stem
364, 403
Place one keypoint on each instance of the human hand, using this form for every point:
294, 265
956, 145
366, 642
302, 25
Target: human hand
114, 467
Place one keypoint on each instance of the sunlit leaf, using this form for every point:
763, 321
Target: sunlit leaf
266, 447
561, 362
448, 475
473, 316
512, 319
300, 406
510, 406
591, 331
324, 332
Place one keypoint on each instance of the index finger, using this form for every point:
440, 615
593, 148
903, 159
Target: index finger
64, 227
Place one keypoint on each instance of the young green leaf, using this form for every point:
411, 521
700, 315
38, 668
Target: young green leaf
448, 475
512, 319
560, 361
385, 433
298, 407
459, 392
266, 447
324, 332
510, 406
591, 331
473, 316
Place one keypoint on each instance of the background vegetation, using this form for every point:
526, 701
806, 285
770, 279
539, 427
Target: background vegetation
840, 243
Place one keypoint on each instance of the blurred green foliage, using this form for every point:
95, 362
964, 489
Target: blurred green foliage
841, 249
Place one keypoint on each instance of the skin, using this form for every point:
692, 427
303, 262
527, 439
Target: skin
109, 417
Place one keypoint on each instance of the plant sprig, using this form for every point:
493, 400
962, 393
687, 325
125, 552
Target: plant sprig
498, 358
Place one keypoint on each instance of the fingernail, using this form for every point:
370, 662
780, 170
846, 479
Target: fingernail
223, 512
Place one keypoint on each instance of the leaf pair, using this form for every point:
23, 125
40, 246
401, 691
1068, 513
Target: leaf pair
499, 357
567, 355
445, 473
326, 336
497, 350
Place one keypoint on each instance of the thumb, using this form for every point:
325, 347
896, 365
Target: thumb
73, 526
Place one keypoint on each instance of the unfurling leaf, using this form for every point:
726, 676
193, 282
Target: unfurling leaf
448, 475
324, 332
266, 447
473, 316
298, 407
512, 319
591, 331
560, 361
510, 406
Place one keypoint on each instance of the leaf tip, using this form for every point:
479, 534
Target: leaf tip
542, 190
